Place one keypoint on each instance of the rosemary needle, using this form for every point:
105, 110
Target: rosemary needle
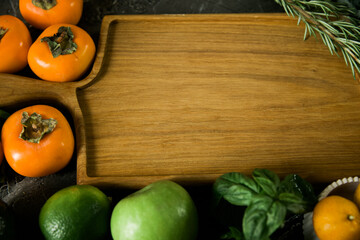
334, 22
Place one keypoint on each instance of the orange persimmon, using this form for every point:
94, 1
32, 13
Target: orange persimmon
62, 53
37, 141
44, 13
15, 41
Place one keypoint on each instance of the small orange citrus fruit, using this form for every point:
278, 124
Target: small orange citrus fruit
336, 218
357, 196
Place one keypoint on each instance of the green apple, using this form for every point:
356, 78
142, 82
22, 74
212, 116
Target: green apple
163, 210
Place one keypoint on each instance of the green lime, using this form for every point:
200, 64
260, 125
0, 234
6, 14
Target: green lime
7, 222
76, 212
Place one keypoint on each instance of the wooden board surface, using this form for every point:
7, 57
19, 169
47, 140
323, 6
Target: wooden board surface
190, 97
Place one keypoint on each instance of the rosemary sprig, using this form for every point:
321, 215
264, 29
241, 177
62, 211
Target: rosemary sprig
335, 22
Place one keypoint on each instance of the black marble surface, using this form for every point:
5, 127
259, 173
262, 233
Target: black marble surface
26, 195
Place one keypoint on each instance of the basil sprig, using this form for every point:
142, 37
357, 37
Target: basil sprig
267, 200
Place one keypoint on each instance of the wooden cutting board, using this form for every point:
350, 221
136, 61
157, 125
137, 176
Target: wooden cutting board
190, 97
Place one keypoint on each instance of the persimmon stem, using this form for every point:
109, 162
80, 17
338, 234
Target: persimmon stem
61, 43
44, 4
34, 127
3, 32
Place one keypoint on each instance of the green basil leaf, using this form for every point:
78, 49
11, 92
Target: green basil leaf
239, 195
236, 188
302, 189
267, 180
263, 217
293, 202
234, 233
255, 218
254, 224
262, 201
239, 178
290, 198
275, 216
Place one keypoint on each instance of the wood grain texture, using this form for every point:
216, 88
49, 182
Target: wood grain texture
190, 97
194, 96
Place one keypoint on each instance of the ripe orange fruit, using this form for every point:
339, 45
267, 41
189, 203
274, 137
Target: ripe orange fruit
357, 196
15, 41
336, 218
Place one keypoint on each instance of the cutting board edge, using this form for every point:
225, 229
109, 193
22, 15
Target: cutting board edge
82, 177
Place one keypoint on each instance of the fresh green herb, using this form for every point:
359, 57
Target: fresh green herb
335, 22
234, 233
267, 200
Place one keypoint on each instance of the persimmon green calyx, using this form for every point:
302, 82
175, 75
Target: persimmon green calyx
34, 127
44, 4
2, 32
61, 43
